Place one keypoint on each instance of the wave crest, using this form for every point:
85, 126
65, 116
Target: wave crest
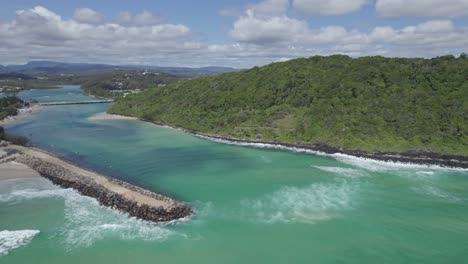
10, 240
86, 221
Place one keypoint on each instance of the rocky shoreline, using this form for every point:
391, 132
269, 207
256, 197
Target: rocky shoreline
139, 208
420, 158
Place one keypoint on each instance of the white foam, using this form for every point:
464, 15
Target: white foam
87, 222
438, 193
10, 240
346, 172
425, 172
382, 166
314, 203
370, 164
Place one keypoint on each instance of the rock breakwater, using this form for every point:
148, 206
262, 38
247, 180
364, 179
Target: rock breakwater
135, 201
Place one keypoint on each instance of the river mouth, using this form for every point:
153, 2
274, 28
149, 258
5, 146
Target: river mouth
252, 204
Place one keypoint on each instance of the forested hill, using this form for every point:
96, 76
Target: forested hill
370, 103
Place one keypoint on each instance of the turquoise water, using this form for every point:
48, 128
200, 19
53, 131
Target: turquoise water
253, 205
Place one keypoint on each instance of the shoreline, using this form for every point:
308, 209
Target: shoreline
109, 192
106, 116
428, 159
22, 113
417, 158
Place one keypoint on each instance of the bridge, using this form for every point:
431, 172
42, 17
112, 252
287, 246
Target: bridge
77, 102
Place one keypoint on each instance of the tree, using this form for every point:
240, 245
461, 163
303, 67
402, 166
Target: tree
2, 133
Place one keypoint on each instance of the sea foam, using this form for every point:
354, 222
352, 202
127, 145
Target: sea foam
370, 164
86, 221
317, 202
10, 240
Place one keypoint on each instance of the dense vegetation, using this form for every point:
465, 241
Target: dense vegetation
15, 76
9, 106
15, 85
113, 84
369, 103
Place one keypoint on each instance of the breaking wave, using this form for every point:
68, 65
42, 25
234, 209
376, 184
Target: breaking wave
370, 164
10, 240
87, 222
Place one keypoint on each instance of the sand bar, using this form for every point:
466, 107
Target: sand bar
106, 116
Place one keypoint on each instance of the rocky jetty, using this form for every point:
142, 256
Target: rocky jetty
90, 187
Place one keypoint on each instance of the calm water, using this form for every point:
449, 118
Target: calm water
253, 205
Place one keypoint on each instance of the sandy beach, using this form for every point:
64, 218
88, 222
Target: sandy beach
106, 116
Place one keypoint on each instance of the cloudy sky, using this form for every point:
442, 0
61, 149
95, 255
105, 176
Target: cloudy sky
237, 33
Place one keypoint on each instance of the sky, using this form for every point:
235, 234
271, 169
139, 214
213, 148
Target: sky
233, 33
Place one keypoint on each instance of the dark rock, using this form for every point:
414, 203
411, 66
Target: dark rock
88, 187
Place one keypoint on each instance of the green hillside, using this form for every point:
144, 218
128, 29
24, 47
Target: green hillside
108, 84
370, 103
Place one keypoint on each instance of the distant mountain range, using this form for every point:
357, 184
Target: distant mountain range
51, 67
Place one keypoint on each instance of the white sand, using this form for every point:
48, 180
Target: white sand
106, 116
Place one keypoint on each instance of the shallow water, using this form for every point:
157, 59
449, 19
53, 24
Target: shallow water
253, 205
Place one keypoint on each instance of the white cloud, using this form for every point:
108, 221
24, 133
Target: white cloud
422, 8
88, 16
261, 35
39, 33
286, 36
435, 36
327, 8
143, 19
269, 8
267, 31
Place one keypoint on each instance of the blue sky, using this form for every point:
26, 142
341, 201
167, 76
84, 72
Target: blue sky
238, 33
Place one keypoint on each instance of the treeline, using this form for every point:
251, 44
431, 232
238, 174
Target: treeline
109, 84
370, 103
15, 76
9, 106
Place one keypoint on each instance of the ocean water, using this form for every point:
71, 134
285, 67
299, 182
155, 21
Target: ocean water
254, 205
